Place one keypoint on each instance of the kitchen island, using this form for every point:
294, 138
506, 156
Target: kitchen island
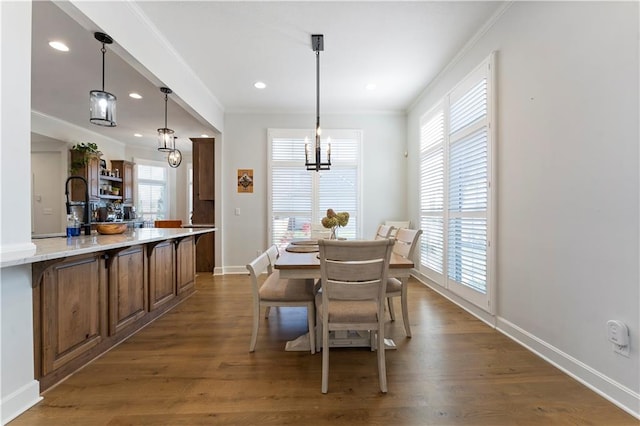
92, 292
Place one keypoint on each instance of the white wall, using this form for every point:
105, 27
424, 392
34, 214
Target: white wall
568, 182
245, 147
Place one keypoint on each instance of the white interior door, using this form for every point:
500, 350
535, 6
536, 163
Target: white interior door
47, 193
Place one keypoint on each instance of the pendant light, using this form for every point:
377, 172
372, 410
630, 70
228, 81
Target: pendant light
175, 156
317, 44
102, 105
165, 135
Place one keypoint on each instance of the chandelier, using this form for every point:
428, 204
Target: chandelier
317, 44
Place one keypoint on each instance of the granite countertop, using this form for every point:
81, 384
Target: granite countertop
59, 247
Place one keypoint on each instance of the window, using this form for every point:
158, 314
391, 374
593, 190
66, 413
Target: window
299, 198
152, 190
455, 192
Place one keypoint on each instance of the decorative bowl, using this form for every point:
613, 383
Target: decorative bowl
111, 228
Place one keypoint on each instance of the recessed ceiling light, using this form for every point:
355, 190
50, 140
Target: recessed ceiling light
135, 95
137, 135
58, 45
371, 86
259, 85
204, 135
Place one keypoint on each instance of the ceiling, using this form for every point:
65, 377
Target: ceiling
398, 46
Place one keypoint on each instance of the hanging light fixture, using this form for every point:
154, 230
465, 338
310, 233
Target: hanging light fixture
317, 44
165, 135
175, 156
102, 105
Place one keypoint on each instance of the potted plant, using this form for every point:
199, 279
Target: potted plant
80, 154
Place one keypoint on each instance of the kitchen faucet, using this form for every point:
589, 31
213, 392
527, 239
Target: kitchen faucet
87, 216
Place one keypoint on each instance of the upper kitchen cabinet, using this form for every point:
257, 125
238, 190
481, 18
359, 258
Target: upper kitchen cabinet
126, 172
204, 160
88, 167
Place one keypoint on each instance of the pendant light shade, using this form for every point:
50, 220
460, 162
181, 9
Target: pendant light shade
317, 44
175, 156
165, 135
102, 105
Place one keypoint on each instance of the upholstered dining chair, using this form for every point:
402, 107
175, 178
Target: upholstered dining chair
354, 277
383, 231
406, 242
274, 291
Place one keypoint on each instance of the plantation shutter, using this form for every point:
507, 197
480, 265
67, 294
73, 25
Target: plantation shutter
432, 193
467, 230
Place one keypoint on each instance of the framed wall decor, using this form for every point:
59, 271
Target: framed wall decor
245, 181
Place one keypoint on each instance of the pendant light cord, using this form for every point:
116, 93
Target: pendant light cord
103, 50
165, 110
317, 98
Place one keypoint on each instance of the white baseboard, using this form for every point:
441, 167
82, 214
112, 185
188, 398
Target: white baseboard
234, 270
20, 401
618, 394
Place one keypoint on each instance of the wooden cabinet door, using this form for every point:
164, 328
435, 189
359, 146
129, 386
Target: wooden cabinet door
162, 286
89, 171
93, 177
73, 311
205, 169
127, 288
185, 264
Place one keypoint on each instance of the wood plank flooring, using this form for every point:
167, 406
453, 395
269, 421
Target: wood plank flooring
193, 367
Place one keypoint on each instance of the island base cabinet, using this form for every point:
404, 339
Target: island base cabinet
127, 288
185, 264
162, 280
85, 304
73, 311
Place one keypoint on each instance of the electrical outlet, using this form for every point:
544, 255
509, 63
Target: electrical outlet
618, 335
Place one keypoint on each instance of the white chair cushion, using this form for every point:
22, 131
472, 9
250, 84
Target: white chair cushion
341, 311
394, 285
276, 289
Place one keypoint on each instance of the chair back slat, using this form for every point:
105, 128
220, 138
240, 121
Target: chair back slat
273, 254
406, 242
384, 231
258, 266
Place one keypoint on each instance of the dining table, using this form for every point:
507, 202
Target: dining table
304, 263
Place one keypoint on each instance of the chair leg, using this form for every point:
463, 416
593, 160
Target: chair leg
256, 324
382, 365
405, 309
325, 358
311, 319
392, 312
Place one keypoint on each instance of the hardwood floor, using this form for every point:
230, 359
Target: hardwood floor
193, 367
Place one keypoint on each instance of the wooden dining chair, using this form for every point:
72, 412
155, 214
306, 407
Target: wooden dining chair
383, 231
406, 242
274, 291
167, 223
397, 224
354, 277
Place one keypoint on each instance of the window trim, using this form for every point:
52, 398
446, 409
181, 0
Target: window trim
355, 134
